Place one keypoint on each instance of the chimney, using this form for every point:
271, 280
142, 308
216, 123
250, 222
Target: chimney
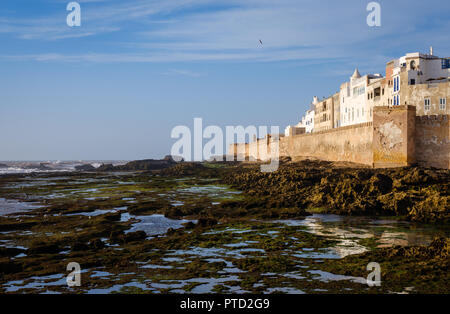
431, 50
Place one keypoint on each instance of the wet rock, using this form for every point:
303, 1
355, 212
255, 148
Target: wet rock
10, 252
17, 226
120, 237
184, 169
116, 235
206, 222
380, 184
44, 248
10, 267
96, 244
87, 167
79, 246
107, 167
416, 193
112, 216
189, 225
134, 236
141, 165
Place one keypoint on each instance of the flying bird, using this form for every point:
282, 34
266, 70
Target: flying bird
260, 41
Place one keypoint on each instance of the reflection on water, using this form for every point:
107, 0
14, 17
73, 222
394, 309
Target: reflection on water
327, 277
349, 230
153, 224
12, 206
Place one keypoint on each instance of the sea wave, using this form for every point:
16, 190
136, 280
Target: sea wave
12, 170
12, 167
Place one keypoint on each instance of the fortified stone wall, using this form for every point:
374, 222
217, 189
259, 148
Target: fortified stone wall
351, 143
433, 141
393, 136
396, 138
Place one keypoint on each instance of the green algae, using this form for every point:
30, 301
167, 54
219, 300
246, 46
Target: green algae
235, 246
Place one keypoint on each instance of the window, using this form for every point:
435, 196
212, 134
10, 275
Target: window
358, 91
442, 103
427, 104
445, 64
377, 92
397, 100
413, 82
396, 84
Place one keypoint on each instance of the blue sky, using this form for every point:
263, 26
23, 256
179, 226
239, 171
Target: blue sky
116, 86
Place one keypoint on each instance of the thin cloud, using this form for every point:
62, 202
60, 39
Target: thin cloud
218, 30
183, 73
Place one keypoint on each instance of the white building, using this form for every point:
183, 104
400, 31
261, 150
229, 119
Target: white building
309, 121
419, 68
354, 107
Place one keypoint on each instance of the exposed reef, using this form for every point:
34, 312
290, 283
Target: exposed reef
417, 194
220, 227
140, 165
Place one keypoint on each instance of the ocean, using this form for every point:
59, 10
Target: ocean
10, 167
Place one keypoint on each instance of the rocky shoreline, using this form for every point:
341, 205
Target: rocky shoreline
235, 236
416, 194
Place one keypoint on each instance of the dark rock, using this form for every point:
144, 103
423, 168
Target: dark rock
141, 165
79, 246
120, 237
107, 167
134, 236
112, 216
115, 236
189, 225
44, 248
10, 252
96, 244
87, 167
206, 222
10, 267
